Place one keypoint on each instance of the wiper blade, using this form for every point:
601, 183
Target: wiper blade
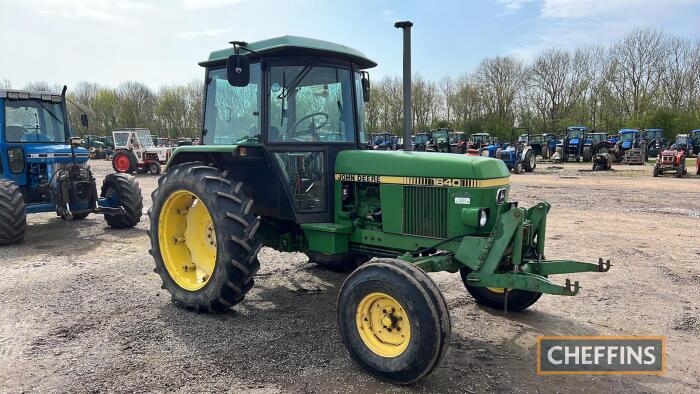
296, 81
50, 113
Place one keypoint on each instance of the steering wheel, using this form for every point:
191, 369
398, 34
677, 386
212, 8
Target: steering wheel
312, 128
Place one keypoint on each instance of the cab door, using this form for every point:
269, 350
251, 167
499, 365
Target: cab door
311, 117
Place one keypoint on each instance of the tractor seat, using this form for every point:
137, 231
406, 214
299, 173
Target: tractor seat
14, 133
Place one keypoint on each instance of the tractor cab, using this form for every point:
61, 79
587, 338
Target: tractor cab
681, 142
439, 141
597, 137
630, 138
35, 140
298, 103
420, 141
480, 140
458, 142
631, 148
655, 141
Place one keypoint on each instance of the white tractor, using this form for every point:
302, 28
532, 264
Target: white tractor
134, 151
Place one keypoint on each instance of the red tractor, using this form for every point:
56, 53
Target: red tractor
671, 159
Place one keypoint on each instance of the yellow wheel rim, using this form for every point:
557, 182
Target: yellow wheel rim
187, 240
498, 290
383, 325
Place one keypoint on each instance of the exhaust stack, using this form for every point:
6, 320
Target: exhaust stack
407, 111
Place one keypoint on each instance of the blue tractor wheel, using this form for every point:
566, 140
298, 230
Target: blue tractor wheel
125, 191
13, 216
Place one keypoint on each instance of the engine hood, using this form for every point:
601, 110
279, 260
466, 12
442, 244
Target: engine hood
419, 164
54, 153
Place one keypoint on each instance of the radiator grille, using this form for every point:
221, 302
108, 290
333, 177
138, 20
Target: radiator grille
425, 211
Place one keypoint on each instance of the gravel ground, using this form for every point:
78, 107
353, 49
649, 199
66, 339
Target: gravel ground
82, 311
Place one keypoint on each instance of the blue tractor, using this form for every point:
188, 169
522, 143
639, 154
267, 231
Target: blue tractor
631, 147
517, 157
575, 145
44, 169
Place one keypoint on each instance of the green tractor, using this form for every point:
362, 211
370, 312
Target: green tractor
282, 165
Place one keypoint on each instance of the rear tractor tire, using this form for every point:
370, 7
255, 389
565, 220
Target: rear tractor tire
124, 162
495, 298
13, 216
203, 237
126, 192
393, 320
530, 162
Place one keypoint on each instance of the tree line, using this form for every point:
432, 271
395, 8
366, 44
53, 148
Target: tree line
173, 111
647, 79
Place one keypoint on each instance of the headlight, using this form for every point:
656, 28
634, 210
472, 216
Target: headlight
15, 157
483, 217
475, 217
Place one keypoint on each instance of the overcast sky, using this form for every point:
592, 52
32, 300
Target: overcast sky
160, 42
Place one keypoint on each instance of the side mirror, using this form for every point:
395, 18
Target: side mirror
238, 70
84, 120
365, 86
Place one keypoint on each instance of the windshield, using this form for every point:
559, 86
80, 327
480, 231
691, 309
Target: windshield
598, 137
628, 136
421, 138
479, 138
575, 133
311, 104
34, 121
232, 113
681, 140
440, 136
145, 138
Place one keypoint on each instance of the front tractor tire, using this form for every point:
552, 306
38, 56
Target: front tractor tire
393, 320
154, 168
13, 216
495, 298
125, 191
203, 237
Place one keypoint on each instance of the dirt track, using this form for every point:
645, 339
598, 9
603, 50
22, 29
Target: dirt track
82, 311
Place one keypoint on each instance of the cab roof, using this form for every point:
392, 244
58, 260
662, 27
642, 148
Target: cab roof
30, 95
294, 45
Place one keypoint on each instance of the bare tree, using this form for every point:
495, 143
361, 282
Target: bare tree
679, 79
636, 64
559, 82
501, 80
